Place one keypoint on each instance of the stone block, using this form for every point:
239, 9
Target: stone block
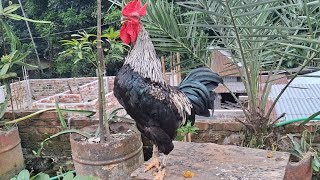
212, 161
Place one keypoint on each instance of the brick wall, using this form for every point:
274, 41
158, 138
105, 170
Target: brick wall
35, 130
42, 88
20, 98
86, 99
228, 131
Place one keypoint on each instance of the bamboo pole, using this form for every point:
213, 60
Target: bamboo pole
32, 40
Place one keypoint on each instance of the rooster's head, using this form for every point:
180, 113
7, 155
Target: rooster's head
131, 15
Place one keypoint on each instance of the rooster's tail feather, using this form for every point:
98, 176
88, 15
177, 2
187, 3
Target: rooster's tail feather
198, 86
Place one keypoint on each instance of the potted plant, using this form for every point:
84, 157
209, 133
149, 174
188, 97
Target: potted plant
11, 158
115, 151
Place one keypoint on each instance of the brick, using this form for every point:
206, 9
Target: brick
216, 126
232, 126
202, 125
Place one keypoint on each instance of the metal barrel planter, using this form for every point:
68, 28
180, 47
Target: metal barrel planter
11, 157
113, 160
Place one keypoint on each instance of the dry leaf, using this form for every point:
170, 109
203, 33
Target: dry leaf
188, 174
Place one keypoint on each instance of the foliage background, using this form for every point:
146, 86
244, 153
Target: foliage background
67, 17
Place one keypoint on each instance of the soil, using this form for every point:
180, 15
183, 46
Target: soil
118, 130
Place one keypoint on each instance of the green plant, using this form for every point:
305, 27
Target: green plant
260, 37
185, 132
18, 52
304, 146
26, 175
81, 48
110, 117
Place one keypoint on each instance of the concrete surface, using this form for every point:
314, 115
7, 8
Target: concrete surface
210, 161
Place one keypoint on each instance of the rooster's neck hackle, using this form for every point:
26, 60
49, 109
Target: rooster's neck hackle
143, 60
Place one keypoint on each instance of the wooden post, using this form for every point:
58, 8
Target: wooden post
178, 69
163, 65
101, 93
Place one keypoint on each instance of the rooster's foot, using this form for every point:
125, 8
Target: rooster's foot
155, 162
160, 174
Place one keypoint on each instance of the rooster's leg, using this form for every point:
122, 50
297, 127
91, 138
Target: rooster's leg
161, 171
155, 160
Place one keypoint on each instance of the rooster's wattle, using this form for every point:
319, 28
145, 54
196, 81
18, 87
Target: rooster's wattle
158, 108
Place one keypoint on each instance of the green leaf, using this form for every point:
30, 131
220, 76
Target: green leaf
41, 176
68, 176
264, 10
8, 76
42, 144
24, 175
20, 63
11, 8
18, 18
5, 69
315, 164
61, 118
310, 118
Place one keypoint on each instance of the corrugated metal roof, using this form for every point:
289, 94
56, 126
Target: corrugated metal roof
296, 91
299, 100
297, 107
308, 80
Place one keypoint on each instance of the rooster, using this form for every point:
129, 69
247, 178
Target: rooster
158, 108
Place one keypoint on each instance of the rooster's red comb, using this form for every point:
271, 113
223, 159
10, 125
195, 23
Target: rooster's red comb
133, 8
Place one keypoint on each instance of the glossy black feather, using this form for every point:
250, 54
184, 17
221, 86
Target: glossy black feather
150, 105
198, 86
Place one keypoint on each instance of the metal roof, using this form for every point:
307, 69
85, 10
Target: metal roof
298, 100
308, 79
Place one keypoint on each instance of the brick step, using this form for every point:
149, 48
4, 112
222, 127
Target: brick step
210, 161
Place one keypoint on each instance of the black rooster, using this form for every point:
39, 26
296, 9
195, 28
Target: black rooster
158, 109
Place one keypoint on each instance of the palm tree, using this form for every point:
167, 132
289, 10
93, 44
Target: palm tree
260, 35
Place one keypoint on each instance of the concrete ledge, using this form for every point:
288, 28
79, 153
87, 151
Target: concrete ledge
212, 161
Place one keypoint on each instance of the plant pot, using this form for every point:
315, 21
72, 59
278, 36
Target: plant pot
116, 159
11, 157
301, 170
